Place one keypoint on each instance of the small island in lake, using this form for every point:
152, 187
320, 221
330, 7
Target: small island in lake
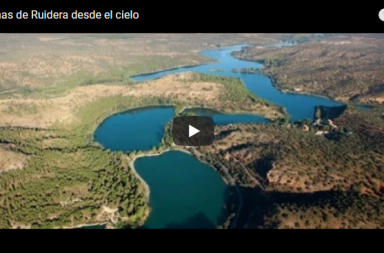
246, 70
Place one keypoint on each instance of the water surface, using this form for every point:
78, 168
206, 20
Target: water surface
185, 193
137, 129
299, 106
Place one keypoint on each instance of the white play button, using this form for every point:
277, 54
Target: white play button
193, 131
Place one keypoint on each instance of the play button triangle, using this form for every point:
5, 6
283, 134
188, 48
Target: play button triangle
193, 131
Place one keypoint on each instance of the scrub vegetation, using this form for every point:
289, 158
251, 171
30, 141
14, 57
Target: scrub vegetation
56, 90
347, 67
292, 177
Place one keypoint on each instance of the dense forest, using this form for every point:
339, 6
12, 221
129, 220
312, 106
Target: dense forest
66, 187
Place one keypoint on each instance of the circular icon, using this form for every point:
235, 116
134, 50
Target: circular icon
381, 14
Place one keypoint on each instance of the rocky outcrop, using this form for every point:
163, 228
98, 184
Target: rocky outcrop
321, 132
317, 122
330, 122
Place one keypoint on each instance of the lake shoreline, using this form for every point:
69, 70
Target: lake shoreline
343, 102
198, 51
237, 113
305, 93
224, 175
132, 78
276, 84
86, 225
174, 106
146, 186
148, 154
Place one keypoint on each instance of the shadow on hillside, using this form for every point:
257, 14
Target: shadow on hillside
259, 207
263, 166
240, 147
200, 220
329, 112
225, 133
197, 221
378, 88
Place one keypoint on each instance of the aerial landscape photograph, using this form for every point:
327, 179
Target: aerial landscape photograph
114, 131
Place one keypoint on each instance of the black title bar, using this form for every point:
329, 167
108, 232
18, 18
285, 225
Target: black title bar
197, 17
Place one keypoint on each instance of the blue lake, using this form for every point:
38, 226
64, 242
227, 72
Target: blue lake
298, 106
138, 129
186, 193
